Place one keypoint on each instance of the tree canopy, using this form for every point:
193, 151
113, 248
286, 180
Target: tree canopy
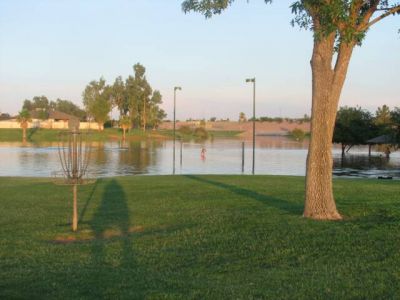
133, 97
395, 117
96, 99
68, 107
348, 19
353, 126
42, 106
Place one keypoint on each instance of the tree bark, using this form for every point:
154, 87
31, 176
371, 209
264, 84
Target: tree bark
327, 85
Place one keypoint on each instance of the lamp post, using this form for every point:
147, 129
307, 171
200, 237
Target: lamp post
253, 80
175, 89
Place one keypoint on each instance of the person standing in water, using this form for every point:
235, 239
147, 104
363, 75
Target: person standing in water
203, 154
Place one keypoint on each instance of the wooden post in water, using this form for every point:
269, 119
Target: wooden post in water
181, 154
242, 157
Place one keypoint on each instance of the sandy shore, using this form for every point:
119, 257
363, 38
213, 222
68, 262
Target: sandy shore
262, 128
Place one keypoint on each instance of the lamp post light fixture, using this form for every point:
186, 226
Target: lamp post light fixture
253, 80
175, 89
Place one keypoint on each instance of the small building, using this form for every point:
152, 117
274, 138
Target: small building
4, 117
53, 120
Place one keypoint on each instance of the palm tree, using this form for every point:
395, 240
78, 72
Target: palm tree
23, 118
125, 123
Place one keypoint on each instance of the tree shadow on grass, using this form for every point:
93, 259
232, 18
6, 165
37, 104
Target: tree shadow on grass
283, 205
114, 266
88, 200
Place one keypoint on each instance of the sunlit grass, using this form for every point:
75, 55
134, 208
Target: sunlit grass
219, 237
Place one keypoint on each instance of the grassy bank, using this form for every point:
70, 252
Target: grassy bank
218, 237
51, 135
211, 134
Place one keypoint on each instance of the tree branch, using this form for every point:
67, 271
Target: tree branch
368, 14
391, 11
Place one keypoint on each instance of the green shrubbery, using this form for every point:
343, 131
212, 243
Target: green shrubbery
297, 134
185, 130
200, 133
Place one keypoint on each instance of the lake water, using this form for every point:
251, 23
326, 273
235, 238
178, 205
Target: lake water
274, 156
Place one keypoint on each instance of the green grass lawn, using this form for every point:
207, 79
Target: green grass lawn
197, 237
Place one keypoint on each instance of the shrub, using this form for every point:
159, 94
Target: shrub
185, 130
297, 134
200, 133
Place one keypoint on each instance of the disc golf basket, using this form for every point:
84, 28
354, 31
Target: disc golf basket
74, 155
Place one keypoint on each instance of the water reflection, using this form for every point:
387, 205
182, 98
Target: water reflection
274, 155
362, 165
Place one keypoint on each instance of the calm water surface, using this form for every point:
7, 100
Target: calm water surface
274, 156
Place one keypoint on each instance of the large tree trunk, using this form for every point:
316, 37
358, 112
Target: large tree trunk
327, 85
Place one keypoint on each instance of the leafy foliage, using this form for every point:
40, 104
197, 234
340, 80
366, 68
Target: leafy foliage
200, 133
383, 119
24, 117
42, 105
136, 98
125, 122
156, 114
118, 96
68, 107
395, 117
208, 7
185, 130
298, 134
38, 102
354, 126
96, 98
347, 20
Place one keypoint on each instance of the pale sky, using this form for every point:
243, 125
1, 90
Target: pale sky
55, 47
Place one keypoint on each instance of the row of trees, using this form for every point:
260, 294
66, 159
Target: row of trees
42, 105
305, 118
135, 99
355, 126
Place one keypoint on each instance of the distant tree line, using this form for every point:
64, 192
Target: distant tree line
304, 119
355, 126
135, 99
